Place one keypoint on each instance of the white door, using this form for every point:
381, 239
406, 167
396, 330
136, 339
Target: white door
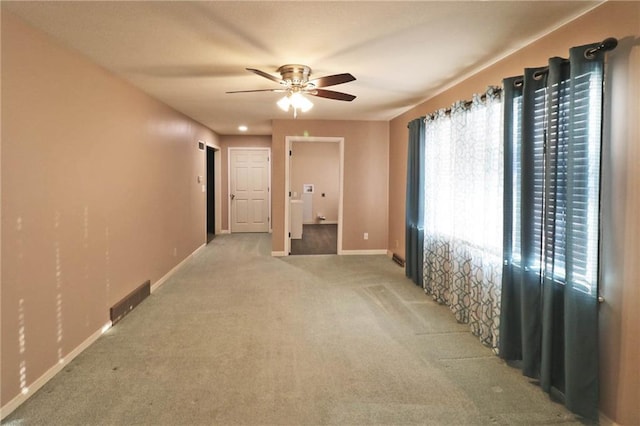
249, 190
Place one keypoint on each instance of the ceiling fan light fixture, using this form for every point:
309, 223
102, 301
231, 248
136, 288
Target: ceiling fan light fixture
300, 102
284, 103
296, 101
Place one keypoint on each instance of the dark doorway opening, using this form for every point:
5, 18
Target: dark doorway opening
211, 195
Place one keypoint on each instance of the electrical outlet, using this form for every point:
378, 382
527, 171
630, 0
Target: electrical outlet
366, 235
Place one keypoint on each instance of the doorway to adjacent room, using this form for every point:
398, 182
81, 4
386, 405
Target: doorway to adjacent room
211, 194
314, 185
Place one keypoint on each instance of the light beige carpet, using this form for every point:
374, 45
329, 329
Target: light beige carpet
239, 337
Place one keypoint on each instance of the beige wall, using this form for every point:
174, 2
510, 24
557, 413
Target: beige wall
99, 194
366, 151
235, 141
620, 314
317, 163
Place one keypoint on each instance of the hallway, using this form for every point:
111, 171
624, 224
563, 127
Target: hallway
239, 337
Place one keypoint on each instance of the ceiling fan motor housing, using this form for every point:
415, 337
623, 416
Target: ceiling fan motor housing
295, 73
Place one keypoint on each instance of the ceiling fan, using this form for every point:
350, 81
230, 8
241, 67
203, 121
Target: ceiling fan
295, 82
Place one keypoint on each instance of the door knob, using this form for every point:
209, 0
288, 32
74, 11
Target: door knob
233, 196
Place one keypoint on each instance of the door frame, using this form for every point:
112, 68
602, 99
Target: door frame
229, 174
217, 188
211, 190
289, 140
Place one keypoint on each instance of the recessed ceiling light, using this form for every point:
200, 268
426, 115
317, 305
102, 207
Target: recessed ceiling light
243, 128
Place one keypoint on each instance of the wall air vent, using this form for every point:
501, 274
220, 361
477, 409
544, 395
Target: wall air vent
133, 299
398, 260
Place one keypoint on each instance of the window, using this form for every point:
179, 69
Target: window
464, 175
564, 181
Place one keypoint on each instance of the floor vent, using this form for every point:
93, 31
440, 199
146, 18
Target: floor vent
133, 299
398, 260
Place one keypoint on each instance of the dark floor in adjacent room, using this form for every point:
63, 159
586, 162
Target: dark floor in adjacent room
316, 239
238, 337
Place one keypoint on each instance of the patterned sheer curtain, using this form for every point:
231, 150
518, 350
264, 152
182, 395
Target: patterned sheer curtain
463, 212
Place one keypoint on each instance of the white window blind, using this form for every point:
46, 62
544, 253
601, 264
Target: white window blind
566, 181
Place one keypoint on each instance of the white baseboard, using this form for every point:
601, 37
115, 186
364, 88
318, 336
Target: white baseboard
225, 231
33, 387
363, 252
323, 222
342, 252
166, 276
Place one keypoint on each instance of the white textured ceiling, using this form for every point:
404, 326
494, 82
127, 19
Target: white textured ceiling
188, 54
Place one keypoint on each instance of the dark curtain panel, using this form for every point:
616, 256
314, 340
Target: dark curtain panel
549, 316
414, 233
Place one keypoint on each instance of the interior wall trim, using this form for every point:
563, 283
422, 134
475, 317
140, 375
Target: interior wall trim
278, 253
19, 399
166, 276
364, 252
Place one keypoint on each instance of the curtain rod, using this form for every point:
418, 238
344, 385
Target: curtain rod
607, 44
466, 103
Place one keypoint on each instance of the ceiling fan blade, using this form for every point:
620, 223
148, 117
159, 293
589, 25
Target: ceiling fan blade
258, 90
332, 80
265, 75
330, 94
